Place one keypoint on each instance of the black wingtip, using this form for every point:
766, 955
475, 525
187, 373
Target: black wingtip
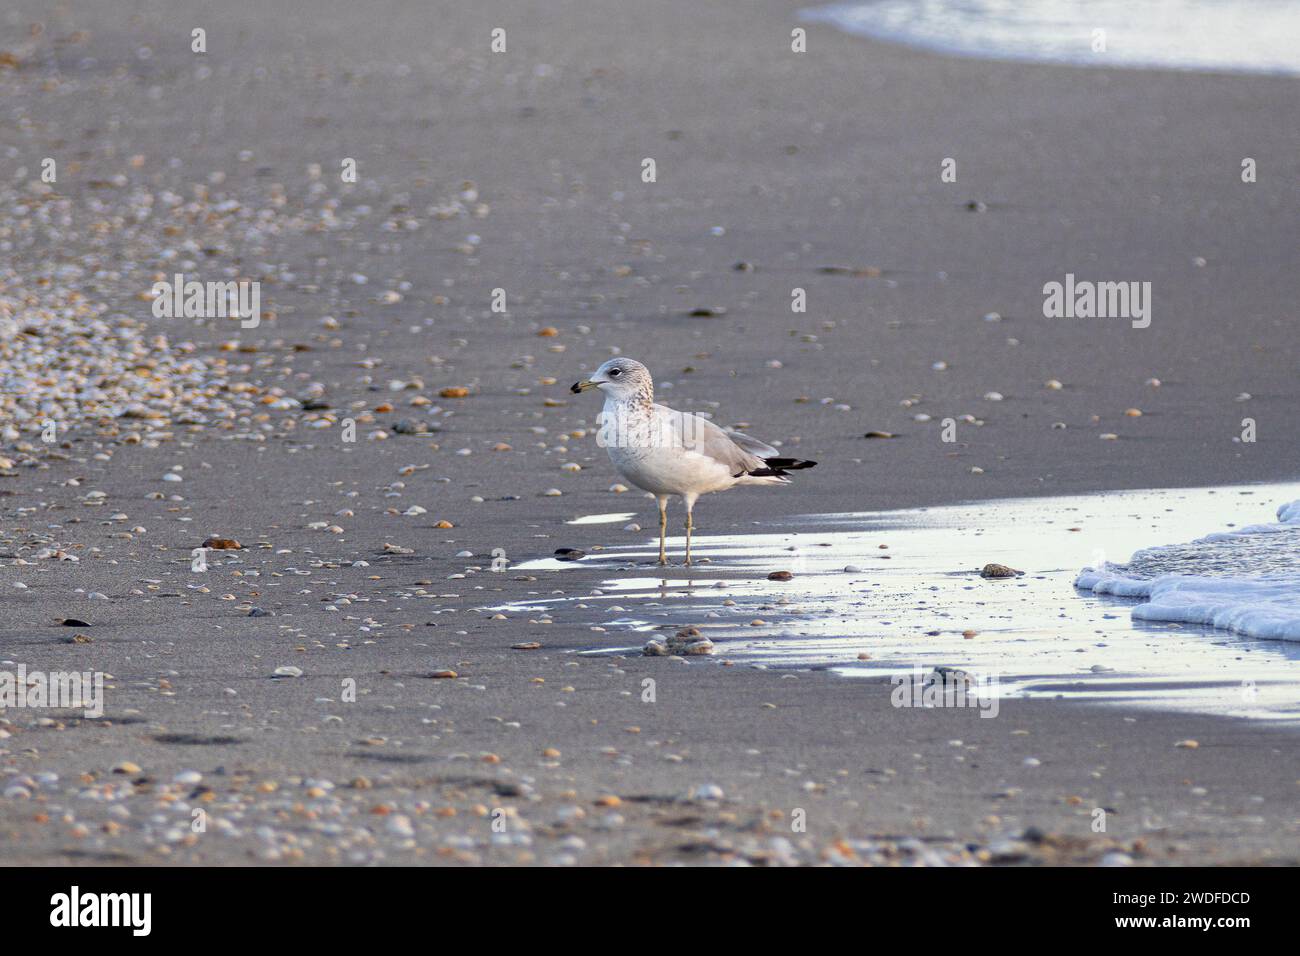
777, 467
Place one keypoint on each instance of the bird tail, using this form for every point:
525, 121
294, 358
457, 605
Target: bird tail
777, 467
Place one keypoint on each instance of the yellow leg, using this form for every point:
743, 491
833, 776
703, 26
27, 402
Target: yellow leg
688, 536
663, 529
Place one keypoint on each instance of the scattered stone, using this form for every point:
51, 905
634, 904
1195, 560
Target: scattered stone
999, 571
705, 792
946, 676
569, 554
780, 576
856, 272
401, 826
222, 544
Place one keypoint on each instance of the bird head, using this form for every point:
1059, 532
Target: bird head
619, 378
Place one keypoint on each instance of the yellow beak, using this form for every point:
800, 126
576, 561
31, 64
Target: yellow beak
582, 386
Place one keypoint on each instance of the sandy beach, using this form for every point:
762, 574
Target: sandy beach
358, 682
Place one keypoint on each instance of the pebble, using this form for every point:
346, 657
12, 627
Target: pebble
399, 825
705, 791
998, 571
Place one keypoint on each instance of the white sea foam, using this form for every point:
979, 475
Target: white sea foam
1245, 580
1253, 36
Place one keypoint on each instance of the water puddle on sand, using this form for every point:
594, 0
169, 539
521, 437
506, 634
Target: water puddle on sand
614, 517
912, 594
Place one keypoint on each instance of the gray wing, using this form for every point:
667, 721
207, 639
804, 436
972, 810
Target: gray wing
759, 449
739, 452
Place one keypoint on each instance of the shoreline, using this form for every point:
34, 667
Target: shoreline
900, 590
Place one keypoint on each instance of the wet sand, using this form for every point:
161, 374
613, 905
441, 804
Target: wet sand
878, 595
521, 171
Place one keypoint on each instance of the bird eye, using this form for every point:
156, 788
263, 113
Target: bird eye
615, 371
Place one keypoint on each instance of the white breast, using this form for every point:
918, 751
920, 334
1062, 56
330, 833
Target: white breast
644, 449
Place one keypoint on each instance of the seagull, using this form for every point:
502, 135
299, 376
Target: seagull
667, 452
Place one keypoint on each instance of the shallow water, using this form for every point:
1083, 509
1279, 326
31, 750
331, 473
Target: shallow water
918, 594
1255, 36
